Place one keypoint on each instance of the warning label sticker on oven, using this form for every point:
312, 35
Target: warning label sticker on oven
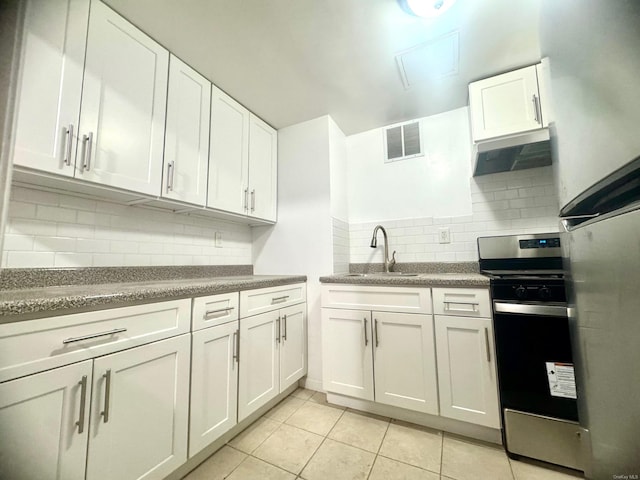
562, 380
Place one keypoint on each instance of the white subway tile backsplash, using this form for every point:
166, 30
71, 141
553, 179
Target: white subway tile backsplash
56, 230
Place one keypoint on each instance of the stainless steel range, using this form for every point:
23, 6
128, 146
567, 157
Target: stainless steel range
533, 349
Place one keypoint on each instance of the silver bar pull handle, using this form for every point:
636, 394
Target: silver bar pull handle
253, 200
366, 338
170, 169
219, 310
87, 141
69, 146
246, 199
486, 343
83, 401
93, 335
473, 305
535, 109
279, 299
278, 330
107, 395
235, 346
284, 327
238, 346
540, 310
375, 331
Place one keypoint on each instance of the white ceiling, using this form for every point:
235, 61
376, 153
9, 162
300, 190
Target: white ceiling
293, 60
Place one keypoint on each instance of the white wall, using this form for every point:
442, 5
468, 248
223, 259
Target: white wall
435, 185
338, 172
55, 230
506, 203
301, 242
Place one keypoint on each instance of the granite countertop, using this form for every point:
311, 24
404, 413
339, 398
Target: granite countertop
427, 274
29, 303
411, 280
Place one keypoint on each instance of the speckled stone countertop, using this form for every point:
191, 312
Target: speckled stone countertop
29, 303
435, 274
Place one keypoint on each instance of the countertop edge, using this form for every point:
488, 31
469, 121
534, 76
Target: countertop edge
425, 280
43, 306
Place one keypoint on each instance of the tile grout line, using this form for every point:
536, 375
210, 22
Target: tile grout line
299, 475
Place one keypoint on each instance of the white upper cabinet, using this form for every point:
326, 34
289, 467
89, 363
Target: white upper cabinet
48, 108
229, 154
506, 104
123, 105
263, 169
186, 147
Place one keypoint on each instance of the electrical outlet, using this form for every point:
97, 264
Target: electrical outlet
444, 235
218, 239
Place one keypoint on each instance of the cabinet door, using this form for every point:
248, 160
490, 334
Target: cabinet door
263, 169
466, 370
229, 154
186, 147
55, 33
139, 411
123, 105
505, 104
293, 344
405, 361
259, 355
40, 419
347, 366
214, 384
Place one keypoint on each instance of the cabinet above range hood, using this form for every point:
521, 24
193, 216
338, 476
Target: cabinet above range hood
509, 116
515, 152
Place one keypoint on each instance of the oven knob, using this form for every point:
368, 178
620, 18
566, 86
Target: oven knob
544, 293
521, 292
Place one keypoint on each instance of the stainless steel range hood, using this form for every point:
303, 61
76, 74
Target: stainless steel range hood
515, 152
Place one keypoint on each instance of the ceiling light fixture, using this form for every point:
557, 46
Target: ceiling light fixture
426, 8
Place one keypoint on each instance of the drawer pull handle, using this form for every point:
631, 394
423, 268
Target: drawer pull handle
486, 343
107, 396
279, 299
366, 339
447, 306
94, 335
219, 310
83, 400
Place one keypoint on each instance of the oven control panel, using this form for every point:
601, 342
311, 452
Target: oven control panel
553, 242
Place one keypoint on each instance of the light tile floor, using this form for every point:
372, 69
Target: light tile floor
305, 438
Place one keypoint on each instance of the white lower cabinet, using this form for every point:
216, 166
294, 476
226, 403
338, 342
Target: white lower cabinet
466, 370
347, 366
398, 347
405, 361
139, 412
272, 355
214, 384
43, 420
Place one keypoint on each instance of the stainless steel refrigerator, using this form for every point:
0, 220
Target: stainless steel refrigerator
593, 48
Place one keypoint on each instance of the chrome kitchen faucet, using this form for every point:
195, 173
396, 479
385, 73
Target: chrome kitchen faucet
388, 264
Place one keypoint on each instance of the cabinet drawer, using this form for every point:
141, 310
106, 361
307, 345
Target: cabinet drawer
36, 345
253, 302
382, 299
465, 302
214, 310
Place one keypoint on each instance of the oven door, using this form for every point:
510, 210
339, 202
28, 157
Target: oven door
531, 338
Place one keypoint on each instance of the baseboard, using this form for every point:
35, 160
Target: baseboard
311, 384
457, 427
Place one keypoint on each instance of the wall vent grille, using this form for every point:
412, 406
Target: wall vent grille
402, 142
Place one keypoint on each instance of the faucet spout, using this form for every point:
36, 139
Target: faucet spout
388, 264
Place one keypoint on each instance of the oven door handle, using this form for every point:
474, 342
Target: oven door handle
528, 309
